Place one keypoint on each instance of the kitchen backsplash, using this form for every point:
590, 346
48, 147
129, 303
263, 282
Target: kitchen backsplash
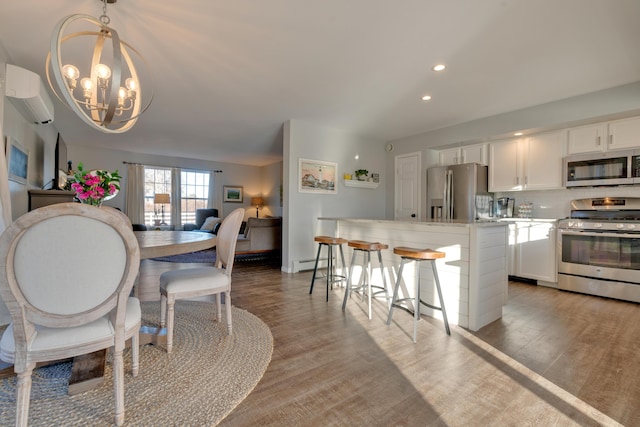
549, 204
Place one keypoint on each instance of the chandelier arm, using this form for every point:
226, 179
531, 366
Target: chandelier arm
116, 74
98, 98
56, 63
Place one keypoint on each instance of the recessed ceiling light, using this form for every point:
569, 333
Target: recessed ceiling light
439, 67
517, 134
426, 98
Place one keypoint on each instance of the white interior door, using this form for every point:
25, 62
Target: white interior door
407, 194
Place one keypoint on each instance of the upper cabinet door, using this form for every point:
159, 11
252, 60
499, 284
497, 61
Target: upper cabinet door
504, 166
470, 154
448, 157
474, 154
542, 157
624, 134
617, 135
588, 139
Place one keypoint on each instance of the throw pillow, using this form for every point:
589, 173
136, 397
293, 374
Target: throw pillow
209, 223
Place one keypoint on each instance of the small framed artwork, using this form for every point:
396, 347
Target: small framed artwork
317, 176
17, 161
375, 177
233, 194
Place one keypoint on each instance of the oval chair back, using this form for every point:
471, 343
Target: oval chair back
227, 239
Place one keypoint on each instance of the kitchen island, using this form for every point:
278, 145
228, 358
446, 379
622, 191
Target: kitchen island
473, 274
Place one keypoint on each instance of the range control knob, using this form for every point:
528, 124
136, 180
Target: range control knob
619, 226
597, 225
631, 226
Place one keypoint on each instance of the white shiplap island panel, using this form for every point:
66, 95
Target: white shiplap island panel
473, 275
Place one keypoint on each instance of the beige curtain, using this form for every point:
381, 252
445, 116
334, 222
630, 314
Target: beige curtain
211, 203
176, 211
135, 193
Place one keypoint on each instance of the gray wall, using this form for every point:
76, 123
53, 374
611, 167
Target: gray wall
301, 210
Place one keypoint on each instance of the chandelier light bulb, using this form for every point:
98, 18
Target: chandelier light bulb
102, 71
71, 75
86, 84
122, 94
70, 71
131, 84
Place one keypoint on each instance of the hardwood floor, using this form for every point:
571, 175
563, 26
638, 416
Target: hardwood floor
555, 358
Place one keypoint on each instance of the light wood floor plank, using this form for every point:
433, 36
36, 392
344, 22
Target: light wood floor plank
555, 358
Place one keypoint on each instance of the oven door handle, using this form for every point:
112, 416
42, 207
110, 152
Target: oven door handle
598, 234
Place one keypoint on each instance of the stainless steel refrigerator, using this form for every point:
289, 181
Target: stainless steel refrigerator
458, 192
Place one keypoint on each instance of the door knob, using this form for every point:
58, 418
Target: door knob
413, 215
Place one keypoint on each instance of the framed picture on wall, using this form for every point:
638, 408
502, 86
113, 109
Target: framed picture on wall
317, 176
17, 161
233, 194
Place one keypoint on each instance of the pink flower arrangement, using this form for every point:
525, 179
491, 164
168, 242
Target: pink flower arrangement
95, 186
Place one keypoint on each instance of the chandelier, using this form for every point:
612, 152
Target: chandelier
109, 94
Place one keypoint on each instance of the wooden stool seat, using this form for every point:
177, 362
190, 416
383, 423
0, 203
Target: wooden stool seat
367, 246
329, 242
418, 255
364, 283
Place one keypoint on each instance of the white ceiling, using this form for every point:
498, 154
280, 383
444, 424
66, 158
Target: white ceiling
228, 74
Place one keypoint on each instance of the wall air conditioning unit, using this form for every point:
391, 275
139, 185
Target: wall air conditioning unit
27, 93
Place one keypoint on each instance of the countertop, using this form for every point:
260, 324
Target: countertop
441, 223
516, 219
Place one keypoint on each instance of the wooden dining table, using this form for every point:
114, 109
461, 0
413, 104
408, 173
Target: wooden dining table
154, 244
88, 370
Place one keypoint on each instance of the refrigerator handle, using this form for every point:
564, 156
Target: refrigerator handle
451, 195
445, 195
448, 195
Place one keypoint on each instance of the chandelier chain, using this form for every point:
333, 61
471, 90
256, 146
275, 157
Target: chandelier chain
104, 18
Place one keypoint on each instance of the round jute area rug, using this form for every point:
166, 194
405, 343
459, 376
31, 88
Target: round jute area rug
207, 374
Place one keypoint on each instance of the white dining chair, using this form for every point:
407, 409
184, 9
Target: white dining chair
66, 271
202, 281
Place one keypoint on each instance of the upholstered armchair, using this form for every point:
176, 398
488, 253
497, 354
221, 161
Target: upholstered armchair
201, 217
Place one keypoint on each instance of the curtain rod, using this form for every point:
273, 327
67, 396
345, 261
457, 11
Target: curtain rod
158, 166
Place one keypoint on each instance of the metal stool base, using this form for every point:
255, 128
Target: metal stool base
364, 285
330, 276
395, 302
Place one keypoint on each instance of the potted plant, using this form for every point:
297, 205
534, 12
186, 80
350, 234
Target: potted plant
361, 174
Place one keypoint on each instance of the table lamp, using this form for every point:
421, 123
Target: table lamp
257, 202
162, 199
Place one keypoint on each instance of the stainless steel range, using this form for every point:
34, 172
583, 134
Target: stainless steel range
599, 248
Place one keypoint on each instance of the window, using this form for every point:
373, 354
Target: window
156, 181
194, 193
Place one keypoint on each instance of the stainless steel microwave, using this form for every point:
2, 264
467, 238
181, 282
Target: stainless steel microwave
596, 169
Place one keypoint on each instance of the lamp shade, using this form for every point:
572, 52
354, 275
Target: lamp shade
257, 201
161, 198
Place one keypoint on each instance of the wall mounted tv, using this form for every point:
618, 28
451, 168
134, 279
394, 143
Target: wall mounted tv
60, 164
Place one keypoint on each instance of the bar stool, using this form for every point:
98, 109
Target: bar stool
364, 283
329, 242
408, 255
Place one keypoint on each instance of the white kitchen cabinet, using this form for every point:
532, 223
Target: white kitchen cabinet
471, 154
624, 134
532, 250
532, 163
543, 158
587, 139
599, 137
504, 166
